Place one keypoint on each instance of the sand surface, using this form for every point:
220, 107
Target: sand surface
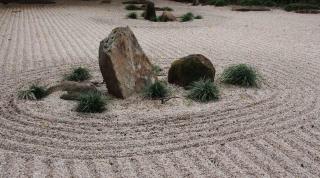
273, 131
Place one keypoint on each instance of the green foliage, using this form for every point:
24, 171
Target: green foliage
300, 6
150, 12
250, 2
203, 91
167, 9
156, 69
198, 17
187, 17
91, 102
78, 74
221, 3
241, 74
132, 15
132, 7
26, 95
156, 90
218, 2
39, 91
35, 92
212, 2
269, 3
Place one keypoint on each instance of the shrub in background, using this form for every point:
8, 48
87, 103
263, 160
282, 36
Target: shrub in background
132, 7
211, 2
300, 6
250, 2
221, 3
269, 3
203, 90
241, 74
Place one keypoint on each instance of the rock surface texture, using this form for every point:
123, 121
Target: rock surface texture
189, 69
124, 66
167, 16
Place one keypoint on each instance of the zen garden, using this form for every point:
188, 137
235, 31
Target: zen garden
159, 88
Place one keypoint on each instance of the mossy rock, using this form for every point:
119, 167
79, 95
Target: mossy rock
189, 69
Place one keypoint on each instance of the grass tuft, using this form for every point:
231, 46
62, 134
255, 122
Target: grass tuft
132, 15
187, 17
39, 91
91, 102
203, 90
78, 74
26, 95
156, 69
156, 90
241, 74
35, 92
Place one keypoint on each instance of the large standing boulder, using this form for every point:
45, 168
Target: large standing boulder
124, 66
191, 68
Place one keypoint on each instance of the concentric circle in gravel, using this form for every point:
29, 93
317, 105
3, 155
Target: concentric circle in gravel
268, 131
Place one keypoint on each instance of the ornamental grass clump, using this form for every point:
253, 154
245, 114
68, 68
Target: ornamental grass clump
26, 95
241, 75
39, 91
156, 90
156, 69
91, 102
78, 74
132, 15
203, 90
35, 92
187, 17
